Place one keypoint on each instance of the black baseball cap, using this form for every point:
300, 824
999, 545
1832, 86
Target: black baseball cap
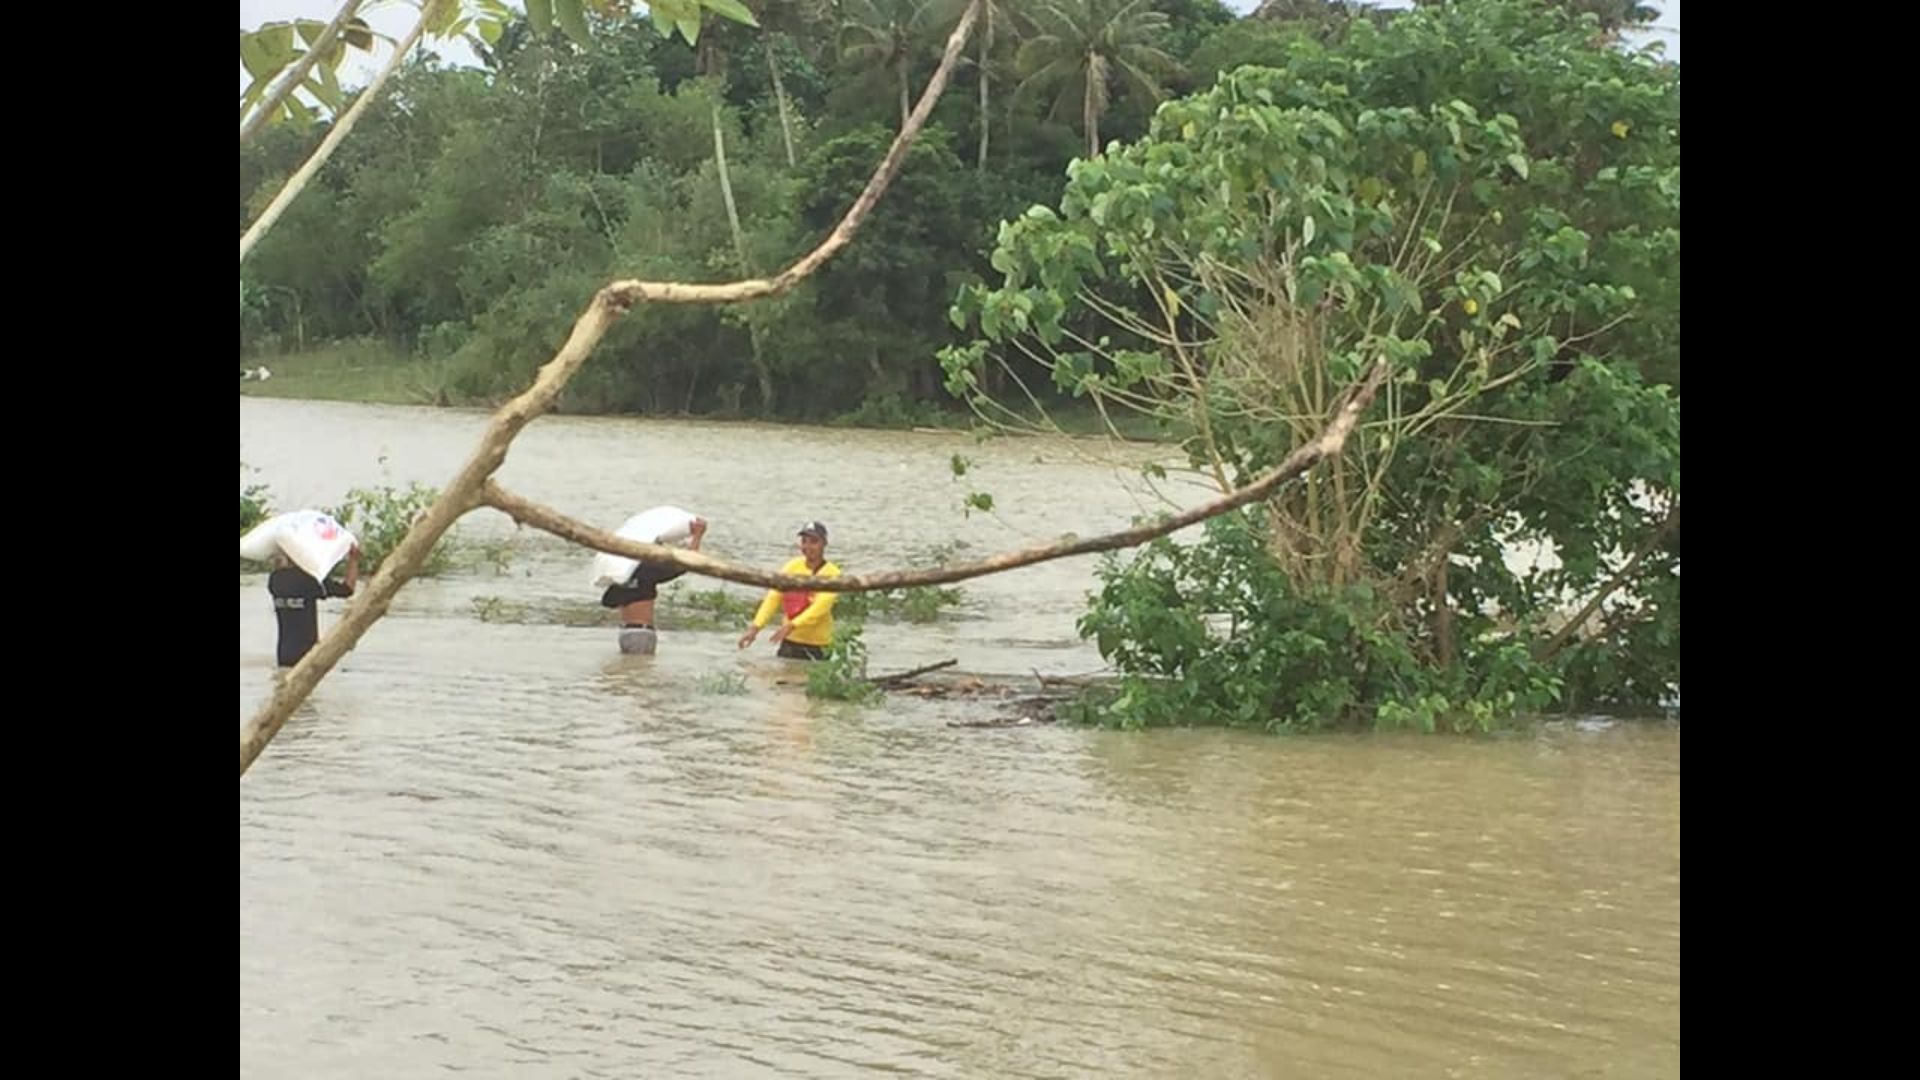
815, 529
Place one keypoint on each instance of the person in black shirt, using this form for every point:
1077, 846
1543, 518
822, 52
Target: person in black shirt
296, 599
634, 598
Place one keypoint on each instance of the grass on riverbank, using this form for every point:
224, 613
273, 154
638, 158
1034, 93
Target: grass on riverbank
376, 373
369, 372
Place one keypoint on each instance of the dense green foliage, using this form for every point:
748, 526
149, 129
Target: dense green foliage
473, 212
1485, 198
255, 502
1483, 195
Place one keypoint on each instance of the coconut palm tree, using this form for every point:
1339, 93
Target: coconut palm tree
883, 35
997, 19
1082, 48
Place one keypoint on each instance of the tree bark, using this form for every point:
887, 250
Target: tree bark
760, 369
1090, 119
986, 47
780, 97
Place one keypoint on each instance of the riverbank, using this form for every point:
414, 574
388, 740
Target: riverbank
374, 373
366, 373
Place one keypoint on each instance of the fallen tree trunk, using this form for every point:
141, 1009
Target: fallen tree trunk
900, 677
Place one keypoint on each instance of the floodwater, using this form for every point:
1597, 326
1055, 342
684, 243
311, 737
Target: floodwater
496, 847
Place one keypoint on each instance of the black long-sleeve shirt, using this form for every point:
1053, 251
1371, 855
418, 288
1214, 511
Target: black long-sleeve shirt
295, 603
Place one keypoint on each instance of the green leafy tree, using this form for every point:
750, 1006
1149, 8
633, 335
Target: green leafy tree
1452, 196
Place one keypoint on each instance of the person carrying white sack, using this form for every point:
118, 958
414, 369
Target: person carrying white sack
632, 585
303, 548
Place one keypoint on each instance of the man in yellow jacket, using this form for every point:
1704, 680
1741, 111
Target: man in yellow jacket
808, 628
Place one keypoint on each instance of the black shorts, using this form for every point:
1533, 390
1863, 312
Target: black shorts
793, 650
642, 585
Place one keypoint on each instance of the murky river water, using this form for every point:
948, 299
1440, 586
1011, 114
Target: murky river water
502, 849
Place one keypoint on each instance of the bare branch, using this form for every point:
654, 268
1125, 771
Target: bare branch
903, 676
1303, 458
674, 292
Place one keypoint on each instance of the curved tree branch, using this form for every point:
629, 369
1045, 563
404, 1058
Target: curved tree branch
291, 77
463, 494
675, 292
1326, 445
